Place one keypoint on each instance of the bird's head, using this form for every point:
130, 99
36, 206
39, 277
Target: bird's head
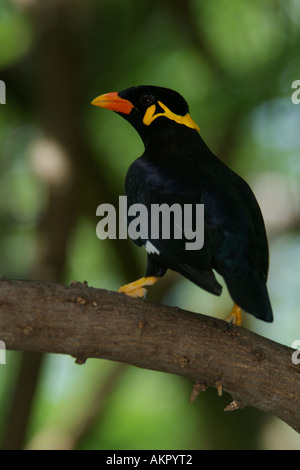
149, 109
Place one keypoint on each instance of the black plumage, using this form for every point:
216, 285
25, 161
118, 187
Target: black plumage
178, 167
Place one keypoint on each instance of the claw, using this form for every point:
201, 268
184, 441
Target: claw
136, 289
235, 316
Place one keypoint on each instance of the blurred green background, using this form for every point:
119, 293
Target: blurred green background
234, 61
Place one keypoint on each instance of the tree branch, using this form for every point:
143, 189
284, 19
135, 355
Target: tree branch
85, 322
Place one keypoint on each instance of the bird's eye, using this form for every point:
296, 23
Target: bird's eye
147, 99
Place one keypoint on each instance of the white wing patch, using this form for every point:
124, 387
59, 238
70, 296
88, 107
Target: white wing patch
151, 248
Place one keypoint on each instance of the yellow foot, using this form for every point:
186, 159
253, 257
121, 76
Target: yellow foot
136, 289
235, 316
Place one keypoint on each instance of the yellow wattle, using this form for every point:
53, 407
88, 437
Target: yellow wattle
186, 120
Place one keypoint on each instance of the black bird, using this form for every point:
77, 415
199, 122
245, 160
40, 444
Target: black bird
177, 167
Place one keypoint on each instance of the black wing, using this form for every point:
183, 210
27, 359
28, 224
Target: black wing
150, 186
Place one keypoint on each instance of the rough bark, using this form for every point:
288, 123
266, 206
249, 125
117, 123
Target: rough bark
85, 322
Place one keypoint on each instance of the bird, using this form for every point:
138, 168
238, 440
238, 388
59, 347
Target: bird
177, 167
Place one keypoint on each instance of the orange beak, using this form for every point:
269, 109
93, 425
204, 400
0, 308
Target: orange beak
114, 102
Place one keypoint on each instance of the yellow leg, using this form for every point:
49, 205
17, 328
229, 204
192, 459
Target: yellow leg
235, 316
136, 289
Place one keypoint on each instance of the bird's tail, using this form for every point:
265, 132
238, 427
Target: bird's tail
252, 296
